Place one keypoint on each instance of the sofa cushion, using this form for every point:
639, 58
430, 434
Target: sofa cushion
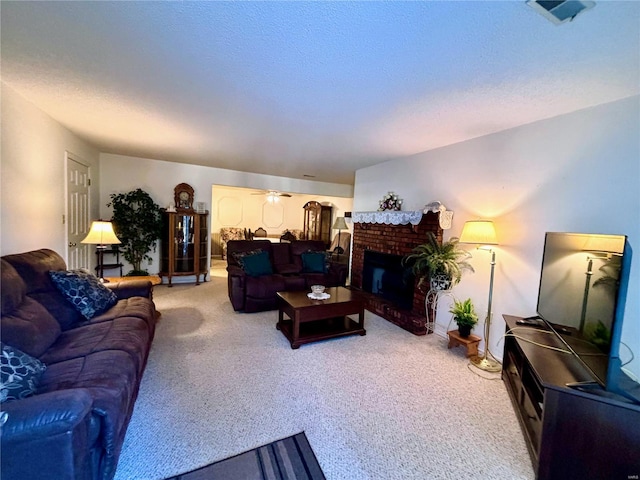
139, 307
288, 269
33, 267
14, 289
281, 258
30, 328
314, 262
127, 334
265, 286
19, 373
84, 291
294, 282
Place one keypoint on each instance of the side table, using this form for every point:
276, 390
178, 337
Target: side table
154, 279
471, 342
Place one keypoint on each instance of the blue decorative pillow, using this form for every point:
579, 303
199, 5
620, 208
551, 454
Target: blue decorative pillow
19, 373
85, 291
314, 262
240, 256
257, 264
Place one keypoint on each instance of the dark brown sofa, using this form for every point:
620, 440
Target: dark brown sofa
255, 293
73, 425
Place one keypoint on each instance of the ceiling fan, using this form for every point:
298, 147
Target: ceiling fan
272, 195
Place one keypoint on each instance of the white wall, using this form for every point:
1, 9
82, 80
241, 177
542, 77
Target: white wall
578, 172
121, 173
33, 177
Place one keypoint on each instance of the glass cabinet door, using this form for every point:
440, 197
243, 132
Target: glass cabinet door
184, 243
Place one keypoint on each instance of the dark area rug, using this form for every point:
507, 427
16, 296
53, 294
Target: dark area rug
288, 459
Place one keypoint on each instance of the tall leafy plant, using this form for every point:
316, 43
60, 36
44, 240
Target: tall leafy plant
434, 258
138, 224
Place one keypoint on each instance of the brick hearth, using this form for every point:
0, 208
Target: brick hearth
397, 240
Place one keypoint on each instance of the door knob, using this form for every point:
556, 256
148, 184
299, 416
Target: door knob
72, 244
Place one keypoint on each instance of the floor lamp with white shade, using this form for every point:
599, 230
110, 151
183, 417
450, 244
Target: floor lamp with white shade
339, 225
483, 234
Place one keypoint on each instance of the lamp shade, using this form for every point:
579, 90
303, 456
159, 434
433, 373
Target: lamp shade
479, 231
101, 233
339, 224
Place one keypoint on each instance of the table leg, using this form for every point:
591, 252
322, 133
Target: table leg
280, 318
295, 330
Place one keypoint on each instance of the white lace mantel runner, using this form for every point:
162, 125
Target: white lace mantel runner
395, 217
388, 217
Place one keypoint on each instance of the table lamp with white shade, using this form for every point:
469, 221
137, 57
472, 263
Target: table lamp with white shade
101, 235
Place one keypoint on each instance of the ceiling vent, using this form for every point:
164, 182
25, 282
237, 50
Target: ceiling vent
560, 12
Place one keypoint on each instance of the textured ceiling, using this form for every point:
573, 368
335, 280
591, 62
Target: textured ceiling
309, 88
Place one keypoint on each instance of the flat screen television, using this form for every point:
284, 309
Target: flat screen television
582, 295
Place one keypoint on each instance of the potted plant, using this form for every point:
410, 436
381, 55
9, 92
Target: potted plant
465, 316
138, 224
442, 264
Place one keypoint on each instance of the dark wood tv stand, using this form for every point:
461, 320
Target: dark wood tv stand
570, 433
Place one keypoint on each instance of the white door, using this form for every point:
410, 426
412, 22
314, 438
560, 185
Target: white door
77, 212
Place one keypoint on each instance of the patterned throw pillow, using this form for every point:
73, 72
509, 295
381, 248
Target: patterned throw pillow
84, 291
19, 373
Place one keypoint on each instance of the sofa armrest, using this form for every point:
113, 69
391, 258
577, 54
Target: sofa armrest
45, 415
235, 271
49, 436
236, 286
131, 288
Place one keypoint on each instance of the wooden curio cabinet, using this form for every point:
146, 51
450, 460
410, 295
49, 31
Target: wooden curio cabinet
184, 245
317, 222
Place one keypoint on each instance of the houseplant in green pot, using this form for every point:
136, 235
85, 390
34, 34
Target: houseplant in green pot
464, 315
441, 264
138, 225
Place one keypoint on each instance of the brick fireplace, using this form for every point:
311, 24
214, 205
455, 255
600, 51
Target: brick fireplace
395, 240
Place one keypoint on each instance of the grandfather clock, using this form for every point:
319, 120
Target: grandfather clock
317, 222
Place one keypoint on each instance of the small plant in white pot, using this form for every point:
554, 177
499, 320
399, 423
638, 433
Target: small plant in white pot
465, 316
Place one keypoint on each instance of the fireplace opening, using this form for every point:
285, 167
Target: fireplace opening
384, 275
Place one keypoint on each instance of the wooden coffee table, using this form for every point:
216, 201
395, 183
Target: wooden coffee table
312, 320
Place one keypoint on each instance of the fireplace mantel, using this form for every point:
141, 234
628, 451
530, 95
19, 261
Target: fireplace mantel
398, 217
388, 217
388, 232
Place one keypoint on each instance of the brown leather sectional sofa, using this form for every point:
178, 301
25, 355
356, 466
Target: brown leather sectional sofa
289, 271
73, 425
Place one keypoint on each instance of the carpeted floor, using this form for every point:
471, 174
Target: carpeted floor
389, 405
288, 459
